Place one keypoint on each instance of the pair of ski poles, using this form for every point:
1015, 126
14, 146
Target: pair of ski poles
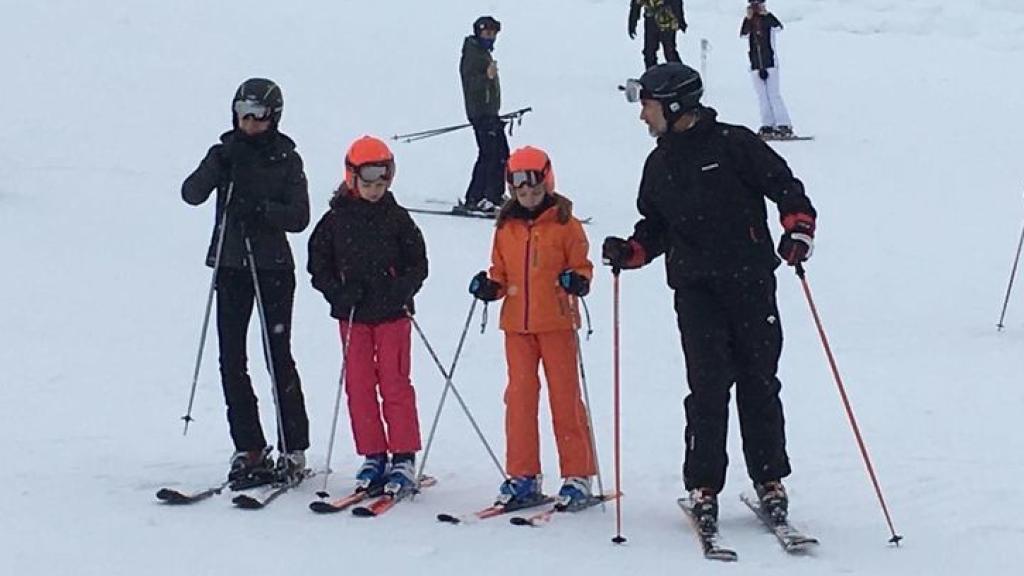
514, 118
221, 233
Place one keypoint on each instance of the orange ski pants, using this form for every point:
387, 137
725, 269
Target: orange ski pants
524, 352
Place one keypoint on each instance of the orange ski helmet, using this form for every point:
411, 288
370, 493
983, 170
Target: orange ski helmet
530, 165
366, 156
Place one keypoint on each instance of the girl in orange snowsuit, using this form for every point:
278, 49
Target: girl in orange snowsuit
539, 266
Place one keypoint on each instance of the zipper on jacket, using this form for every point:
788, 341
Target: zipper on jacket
526, 276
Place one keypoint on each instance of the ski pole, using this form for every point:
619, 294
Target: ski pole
619, 538
449, 385
801, 273
1009, 287
590, 419
209, 305
337, 399
267, 353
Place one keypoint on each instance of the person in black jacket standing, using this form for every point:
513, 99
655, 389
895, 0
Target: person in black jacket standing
701, 203
257, 167
760, 27
367, 257
481, 90
662, 18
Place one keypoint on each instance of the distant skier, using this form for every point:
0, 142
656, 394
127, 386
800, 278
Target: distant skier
539, 265
701, 204
481, 90
662, 18
268, 199
367, 257
760, 26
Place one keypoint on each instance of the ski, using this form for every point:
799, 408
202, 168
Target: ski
787, 138
250, 502
339, 504
175, 497
387, 501
492, 511
463, 213
545, 516
791, 539
709, 540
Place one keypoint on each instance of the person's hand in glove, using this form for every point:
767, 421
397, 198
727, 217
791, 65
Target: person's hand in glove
483, 287
797, 243
622, 254
762, 73
573, 283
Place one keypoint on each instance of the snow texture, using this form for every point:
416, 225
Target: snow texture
915, 172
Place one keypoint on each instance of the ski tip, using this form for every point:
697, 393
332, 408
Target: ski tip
247, 503
321, 507
169, 496
363, 512
448, 518
520, 521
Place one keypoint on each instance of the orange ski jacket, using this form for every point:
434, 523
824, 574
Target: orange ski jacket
526, 259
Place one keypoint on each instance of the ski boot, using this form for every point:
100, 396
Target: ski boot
371, 475
520, 492
250, 468
401, 480
767, 132
705, 509
575, 493
291, 466
483, 206
773, 499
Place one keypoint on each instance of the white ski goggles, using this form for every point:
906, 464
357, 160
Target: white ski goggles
244, 108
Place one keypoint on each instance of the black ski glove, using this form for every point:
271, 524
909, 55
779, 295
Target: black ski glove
762, 74
573, 283
623, 254
483, 287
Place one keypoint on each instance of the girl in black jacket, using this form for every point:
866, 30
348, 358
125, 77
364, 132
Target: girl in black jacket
367, 257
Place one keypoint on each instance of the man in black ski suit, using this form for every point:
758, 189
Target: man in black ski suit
259, 168
701, 203
481, 90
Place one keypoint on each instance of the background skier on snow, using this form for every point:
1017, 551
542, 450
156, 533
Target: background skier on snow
481, 90
260, 166
662, 18
760, 27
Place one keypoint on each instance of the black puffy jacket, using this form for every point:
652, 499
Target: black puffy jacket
373, 244
702, 201
268, 171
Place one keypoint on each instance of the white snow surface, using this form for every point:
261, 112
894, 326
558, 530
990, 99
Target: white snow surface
916, 174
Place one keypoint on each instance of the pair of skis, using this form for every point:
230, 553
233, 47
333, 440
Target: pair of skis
381, 503
536, 519
790, 538
270, 492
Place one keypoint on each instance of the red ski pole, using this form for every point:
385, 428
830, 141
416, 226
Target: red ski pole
801, 273
619, 538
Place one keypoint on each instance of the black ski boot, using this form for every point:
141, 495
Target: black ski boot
705, 509
773, 499
251, 468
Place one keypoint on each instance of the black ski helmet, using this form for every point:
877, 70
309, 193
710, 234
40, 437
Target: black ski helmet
262, 92
677, 86
485, 23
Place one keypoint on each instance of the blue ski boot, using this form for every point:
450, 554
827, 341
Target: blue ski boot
575, 494
401, 481
520, 492
371, 475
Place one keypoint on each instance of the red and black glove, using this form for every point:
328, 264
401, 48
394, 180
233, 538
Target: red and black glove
797, 243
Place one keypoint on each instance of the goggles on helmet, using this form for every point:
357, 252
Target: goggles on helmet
244, 108
371, 173
634, 90
521, 178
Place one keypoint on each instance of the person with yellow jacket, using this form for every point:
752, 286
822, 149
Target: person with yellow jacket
539, 265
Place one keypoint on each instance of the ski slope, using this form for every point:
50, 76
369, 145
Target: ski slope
915, 172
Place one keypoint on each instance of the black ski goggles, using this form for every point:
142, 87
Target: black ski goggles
370, 173
246, 108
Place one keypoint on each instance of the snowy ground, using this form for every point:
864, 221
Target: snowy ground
914, 172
